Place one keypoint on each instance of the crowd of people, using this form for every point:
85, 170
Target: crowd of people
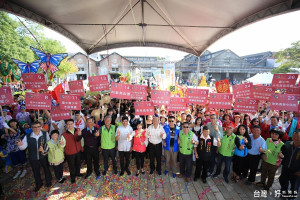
198, 136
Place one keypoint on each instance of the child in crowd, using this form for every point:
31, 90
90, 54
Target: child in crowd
56, 155
27, 128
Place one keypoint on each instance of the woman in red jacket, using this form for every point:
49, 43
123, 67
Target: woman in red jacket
140, 143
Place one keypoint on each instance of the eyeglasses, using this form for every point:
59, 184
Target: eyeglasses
36, 127
171, 121
185, 127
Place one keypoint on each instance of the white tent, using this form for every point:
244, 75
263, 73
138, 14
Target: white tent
261, 78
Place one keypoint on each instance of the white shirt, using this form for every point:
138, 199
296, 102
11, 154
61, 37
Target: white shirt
81, 126
215, 142
154, 136
124, 143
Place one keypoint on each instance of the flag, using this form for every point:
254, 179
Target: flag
58, 89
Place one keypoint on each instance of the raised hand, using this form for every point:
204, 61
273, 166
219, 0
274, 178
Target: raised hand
62, 142
97, 133
20, 143
79, 132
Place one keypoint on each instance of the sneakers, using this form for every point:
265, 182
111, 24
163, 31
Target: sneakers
166, 172
174, 175
209, 174
23, 173
122, 173
215, 175
159, 173
204, 180
17, 174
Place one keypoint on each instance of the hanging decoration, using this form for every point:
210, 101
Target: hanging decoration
27, 67
125, 78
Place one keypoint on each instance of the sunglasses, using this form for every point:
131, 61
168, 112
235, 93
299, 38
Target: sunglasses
185, 127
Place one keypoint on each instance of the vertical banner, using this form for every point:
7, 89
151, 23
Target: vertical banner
76, 87
219, 100
120, 91
139, 92
160, 97
144, 108
169, 71
244, 105
6, 96
177, 104
262, 92
98, 83
222, 86
69, 102
34, 81
38, 101
158, 77
284, 80
197, 96
287, 102
59, 114
242, 90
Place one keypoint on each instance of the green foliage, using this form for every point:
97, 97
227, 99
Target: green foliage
289, 57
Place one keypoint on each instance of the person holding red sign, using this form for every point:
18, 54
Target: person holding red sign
73, 149
266, 128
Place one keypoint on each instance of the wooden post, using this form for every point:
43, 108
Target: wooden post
2, 114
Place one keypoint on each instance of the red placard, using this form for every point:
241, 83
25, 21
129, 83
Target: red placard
98, 83
34, 81
38, 101
284, 80
69, 102
262, 92
244, 105
287, 102
76, 87
197, 96
294, 90
242, 90
120, 91
177, 104
139, 92
58, 114
222, 86
144, 108
6, 96
160, 97
220, 100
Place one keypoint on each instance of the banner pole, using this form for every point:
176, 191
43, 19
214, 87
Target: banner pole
2, 113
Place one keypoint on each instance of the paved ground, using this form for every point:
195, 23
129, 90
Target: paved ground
132, 187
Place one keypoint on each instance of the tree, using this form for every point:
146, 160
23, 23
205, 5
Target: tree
289, 57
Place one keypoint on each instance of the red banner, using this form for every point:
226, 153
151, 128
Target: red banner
139, 92
120, 91
144, 108
222, 86
262, 92
242, 90
287, 102
294, 90
76, 87
58, 114
34, 81
160, 97
284, 80
197, 96
219, 100
243, 105
69, 102
98, 83
6, 96
177, 104
38, 101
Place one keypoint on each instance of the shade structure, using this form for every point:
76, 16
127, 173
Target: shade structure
190, 26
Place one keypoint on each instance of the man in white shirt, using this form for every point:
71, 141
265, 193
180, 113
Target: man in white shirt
79, 121
156, 134
124, 144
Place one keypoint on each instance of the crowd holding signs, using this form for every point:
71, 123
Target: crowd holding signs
253, 123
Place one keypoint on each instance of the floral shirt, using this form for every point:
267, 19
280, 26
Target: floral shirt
12, 145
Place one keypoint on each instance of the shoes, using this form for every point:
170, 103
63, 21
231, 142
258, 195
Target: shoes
104, 173
174, 175
73, 181
215, 175
137, 173
260, 184
23, 173
48, 185
159, 173
204, 180
79, 175
151, 172
180, 175
17, 174
128, 172
209, 174
166, 172
195, 179
62, 180
142, 171
122, 173
87, 175
115, 172
188, 179
226, 180
98, 177
37, 188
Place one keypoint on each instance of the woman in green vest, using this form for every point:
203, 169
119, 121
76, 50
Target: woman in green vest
271, 159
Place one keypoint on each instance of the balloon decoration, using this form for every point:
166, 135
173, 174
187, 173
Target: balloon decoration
27, 67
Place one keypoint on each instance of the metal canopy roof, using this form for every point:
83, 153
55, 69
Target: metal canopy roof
190, 25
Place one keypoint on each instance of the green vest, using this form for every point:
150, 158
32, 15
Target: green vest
56, 153
272, 151
186, 146
227, 145
108, 137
